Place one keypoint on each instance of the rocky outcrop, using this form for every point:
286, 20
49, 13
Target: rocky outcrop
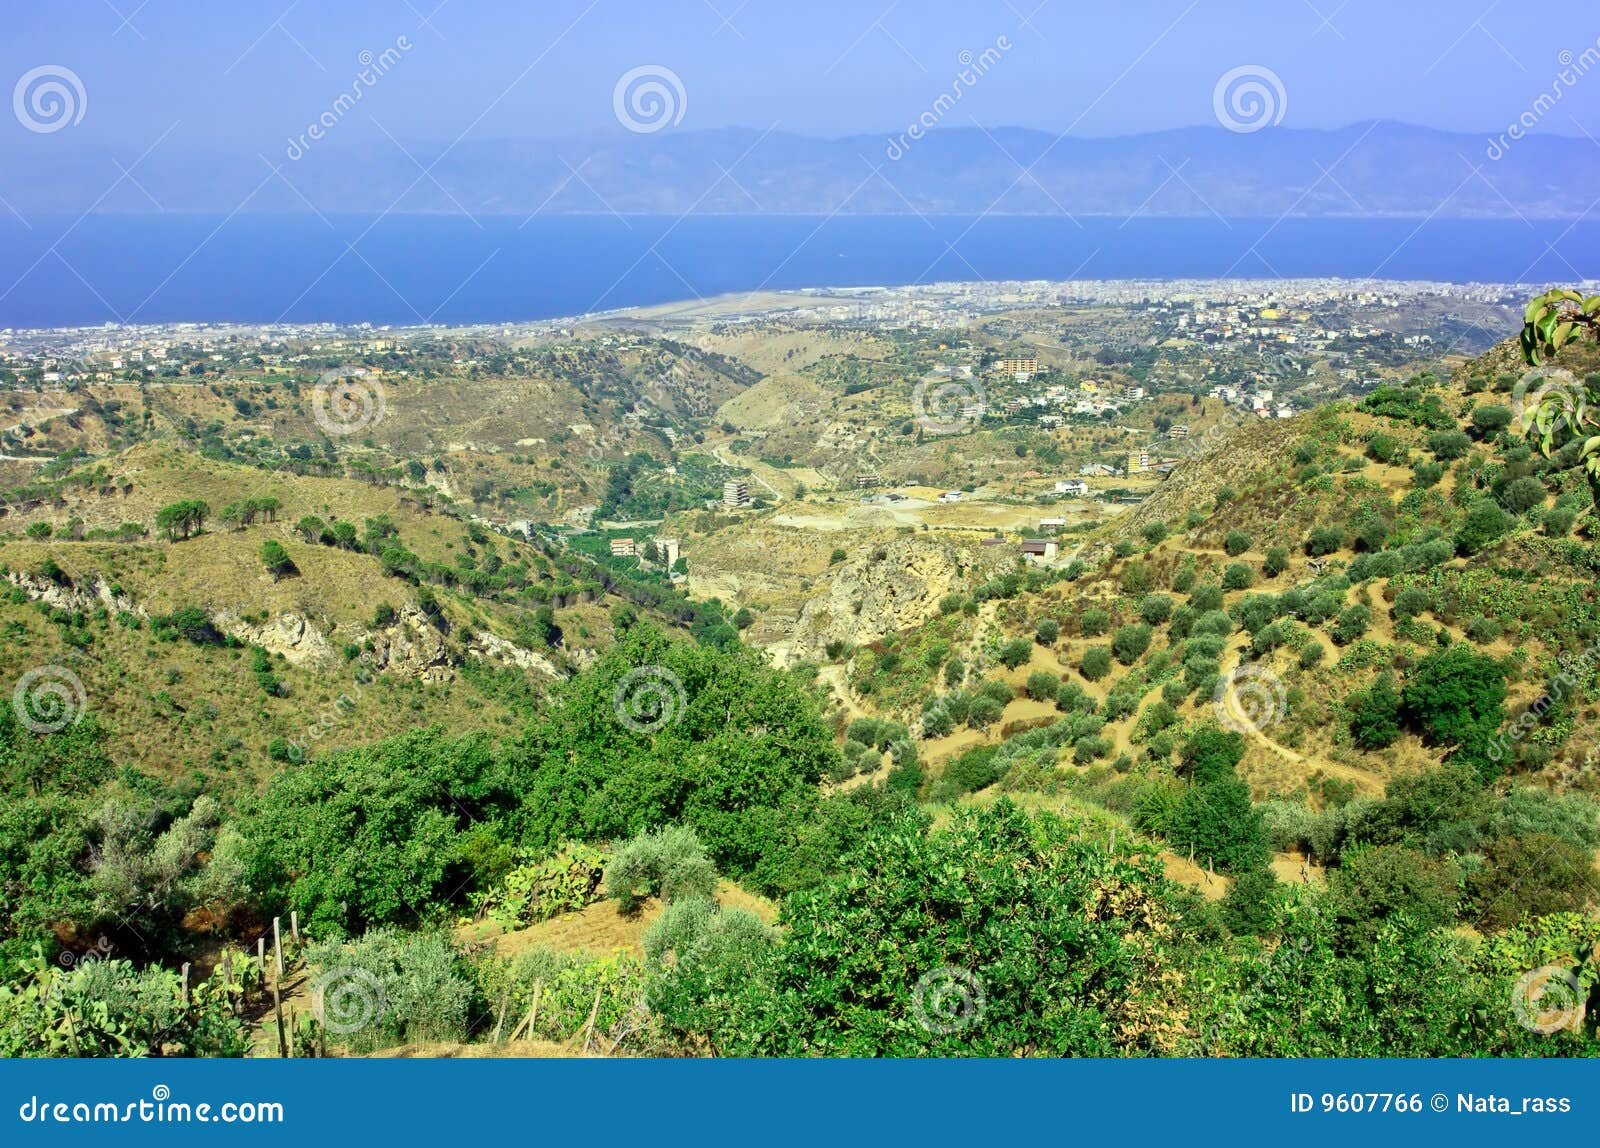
289, 634
90, 594
413, 645
894, 587
496, 648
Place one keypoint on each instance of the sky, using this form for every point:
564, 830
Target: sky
248, 76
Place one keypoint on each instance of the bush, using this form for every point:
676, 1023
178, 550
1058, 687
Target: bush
390, 988
1096, 663
1251, 904
1456, 697
1375, 715
1155, 609
1352, 623
697, 956
1324, 540
1449, 445
1485, 523
1238, 576
1311, 655
1373, 884
1276, 562
1046, 631
1236, 542
1217, 821
1093, 622
1522, 494
1015, 652
670, 863
1130, 642
1530, 876
1411, 601
974, 770
1042, 685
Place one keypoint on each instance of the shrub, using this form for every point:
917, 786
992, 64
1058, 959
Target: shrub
1251, 904
670, 863
1375, 715
1042, 685
1522, 494
1155, 608
1130, 642
1324, 540
1238, 576
1093, 622
1046, 631
1485, 522
1411, 601
1015, 652
1096, 663
1236, 542
390, 988
1276, 562
1373, 884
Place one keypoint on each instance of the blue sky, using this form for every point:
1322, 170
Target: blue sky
246, 76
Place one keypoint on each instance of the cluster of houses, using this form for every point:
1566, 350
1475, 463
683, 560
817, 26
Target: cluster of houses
1259, 402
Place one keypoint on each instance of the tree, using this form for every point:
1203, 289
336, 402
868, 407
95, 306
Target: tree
1015, 652
1375, 715
276, 559
1491, 420
1003, 934
179, 520
1531, 875
1130, 642
1096, 663
1238, 576
1456, 697
1485, 522
1211, 754
1372, 885
1217, 821
1277, 561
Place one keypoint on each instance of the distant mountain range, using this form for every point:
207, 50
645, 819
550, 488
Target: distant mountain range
1371, 169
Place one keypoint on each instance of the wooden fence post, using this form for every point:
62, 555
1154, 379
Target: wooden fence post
186, 983
277, 945
294, 925
277, 1011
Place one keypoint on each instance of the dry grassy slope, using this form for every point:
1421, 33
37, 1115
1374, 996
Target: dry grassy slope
219, 718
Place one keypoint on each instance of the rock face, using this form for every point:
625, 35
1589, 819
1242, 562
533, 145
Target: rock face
70, 596
412, 644
892, 588
487, 645
289, 634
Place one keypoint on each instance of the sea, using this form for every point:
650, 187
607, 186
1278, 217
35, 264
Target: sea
454, 269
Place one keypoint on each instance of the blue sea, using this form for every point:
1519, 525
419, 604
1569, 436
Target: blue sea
405, 269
